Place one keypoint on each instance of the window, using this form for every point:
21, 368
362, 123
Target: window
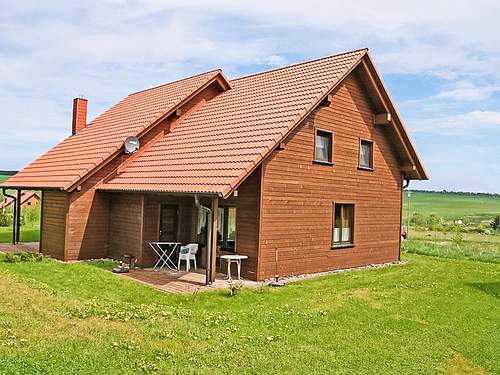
343, 225
365, 154
323, 147
226, 228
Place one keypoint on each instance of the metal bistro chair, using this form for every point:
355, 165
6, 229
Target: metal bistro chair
187, 253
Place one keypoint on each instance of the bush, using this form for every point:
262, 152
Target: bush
5, 219
31, 215
24, 257
495, 224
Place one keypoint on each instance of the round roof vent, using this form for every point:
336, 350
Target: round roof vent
131, 145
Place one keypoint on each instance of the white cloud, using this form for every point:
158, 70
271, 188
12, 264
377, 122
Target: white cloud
467, 91
276, 61
459, 123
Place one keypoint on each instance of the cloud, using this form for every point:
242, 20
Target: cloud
467, 91
473, 121
276, 61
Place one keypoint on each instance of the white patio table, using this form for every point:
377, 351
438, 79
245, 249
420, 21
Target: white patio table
233, 258
164, 250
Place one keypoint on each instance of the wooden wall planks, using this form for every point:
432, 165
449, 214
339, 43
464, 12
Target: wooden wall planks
297, 195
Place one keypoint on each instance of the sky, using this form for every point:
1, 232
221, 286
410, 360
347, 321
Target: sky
439, 59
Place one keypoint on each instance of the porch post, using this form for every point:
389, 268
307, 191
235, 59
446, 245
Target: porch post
18, 218
213, 247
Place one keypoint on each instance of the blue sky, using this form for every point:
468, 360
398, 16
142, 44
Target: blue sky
440, 61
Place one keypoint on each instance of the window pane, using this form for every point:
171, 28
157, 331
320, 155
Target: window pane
201, 231
365, 154
323, 146
220, 224
231, 225
343, 224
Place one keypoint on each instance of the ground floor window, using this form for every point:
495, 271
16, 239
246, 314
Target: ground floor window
343, 225
226, 230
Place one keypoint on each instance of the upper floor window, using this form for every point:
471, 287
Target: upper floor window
366, 154
323, 146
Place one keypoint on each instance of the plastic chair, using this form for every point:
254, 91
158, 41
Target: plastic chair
187, 253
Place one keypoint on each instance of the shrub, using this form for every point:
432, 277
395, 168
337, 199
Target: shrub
495, 224
24, 257
5, 219
234, 286
31, 214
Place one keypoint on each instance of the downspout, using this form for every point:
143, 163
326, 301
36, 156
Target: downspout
14, 210
209, 237
406, 183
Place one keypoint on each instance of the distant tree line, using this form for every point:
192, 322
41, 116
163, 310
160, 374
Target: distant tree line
8, 173
465, 193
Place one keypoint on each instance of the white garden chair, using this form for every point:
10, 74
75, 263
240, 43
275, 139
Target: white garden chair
187, 253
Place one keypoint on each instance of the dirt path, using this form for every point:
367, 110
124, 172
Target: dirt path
27, 246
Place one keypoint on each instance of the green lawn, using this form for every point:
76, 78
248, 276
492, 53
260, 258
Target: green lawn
28, 233
430, 315
3, 178
453, 206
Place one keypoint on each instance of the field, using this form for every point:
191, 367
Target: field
429, 315
452, 206
3, 178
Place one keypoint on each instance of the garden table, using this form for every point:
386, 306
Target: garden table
164, 250
233, 258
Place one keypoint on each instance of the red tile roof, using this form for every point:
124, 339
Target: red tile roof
213, 149
76, 156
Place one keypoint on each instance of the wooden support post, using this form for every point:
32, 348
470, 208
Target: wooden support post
213, 247
18, 218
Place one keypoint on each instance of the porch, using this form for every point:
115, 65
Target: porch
181, 282
218, 226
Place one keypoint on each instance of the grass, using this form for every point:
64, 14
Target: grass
430, 315
453, 206
29, 233
3, 178
486, 251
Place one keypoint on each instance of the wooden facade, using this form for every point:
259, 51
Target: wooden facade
298, 194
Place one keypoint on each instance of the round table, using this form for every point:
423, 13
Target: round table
233, 258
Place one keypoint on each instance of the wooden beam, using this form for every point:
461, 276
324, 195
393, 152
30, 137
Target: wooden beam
382, 119
213, 247
408, 168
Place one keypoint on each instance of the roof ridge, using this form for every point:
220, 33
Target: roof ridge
300, 63
176, 81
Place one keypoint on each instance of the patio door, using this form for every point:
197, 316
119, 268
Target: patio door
169, 222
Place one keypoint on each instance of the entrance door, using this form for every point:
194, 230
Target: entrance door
168, 222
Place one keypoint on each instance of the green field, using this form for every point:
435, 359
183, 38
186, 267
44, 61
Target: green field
429, 316
3, 178
452, 206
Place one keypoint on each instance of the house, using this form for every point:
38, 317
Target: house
300, 168
28, 199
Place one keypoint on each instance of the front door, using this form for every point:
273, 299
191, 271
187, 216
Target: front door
168, 222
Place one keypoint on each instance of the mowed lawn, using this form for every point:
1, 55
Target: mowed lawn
431, 315
452, 206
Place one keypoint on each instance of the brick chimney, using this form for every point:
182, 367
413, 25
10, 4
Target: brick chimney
79, 114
